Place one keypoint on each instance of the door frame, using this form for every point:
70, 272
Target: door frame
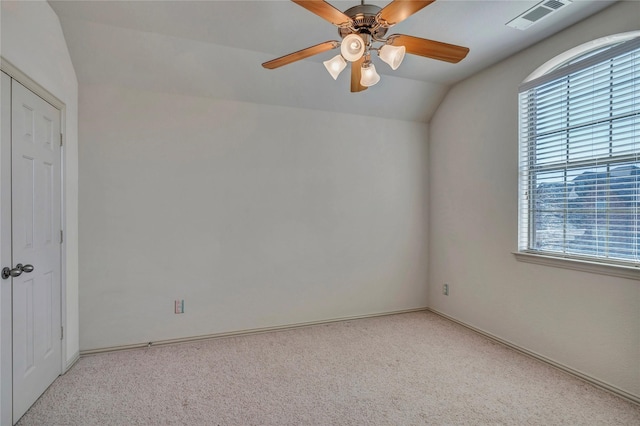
6, 367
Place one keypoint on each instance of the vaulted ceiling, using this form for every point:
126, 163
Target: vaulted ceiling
215, 48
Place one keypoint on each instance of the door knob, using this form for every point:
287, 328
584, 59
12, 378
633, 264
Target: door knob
17, 271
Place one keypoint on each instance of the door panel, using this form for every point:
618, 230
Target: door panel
26, 197
35, 224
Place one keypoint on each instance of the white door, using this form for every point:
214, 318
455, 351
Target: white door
35, 194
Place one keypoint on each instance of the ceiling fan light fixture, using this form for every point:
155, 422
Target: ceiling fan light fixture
363, 30
335, 66
392, 55
369, 76
352, 47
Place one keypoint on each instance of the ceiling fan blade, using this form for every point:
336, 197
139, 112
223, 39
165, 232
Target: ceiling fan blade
429, 48
301, 54
325, 11
399, 10
356, 73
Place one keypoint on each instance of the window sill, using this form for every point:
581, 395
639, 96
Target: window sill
621, 271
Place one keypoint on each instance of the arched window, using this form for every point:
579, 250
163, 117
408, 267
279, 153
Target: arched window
580, 154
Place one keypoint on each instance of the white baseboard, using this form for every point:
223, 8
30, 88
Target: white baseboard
71, 362
598, 383
242, 332
578, 374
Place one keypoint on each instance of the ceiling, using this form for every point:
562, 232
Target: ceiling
215, 48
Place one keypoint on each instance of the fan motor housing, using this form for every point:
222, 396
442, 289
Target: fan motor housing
364, 20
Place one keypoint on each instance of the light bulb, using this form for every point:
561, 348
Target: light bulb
392, 55
369, 76
352, 47
335, 66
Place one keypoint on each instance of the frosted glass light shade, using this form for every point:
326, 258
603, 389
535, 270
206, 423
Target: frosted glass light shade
335, 66
369, 76
352, 47
392, 55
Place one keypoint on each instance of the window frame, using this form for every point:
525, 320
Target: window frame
568, 67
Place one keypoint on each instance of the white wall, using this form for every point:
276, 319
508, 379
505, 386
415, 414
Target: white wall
588, 322
32, 40
255, 215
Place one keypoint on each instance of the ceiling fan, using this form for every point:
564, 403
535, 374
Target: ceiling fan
360, 28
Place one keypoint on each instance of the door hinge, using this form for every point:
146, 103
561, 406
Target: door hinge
61, 332
60, 139
61, 237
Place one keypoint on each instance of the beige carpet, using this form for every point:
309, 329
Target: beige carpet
409, 369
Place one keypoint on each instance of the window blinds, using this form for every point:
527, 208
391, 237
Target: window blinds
580, 158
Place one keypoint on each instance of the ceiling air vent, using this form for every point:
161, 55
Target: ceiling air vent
536, 13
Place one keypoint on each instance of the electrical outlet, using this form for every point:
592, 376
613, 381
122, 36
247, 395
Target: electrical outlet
179, 306
445, 289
